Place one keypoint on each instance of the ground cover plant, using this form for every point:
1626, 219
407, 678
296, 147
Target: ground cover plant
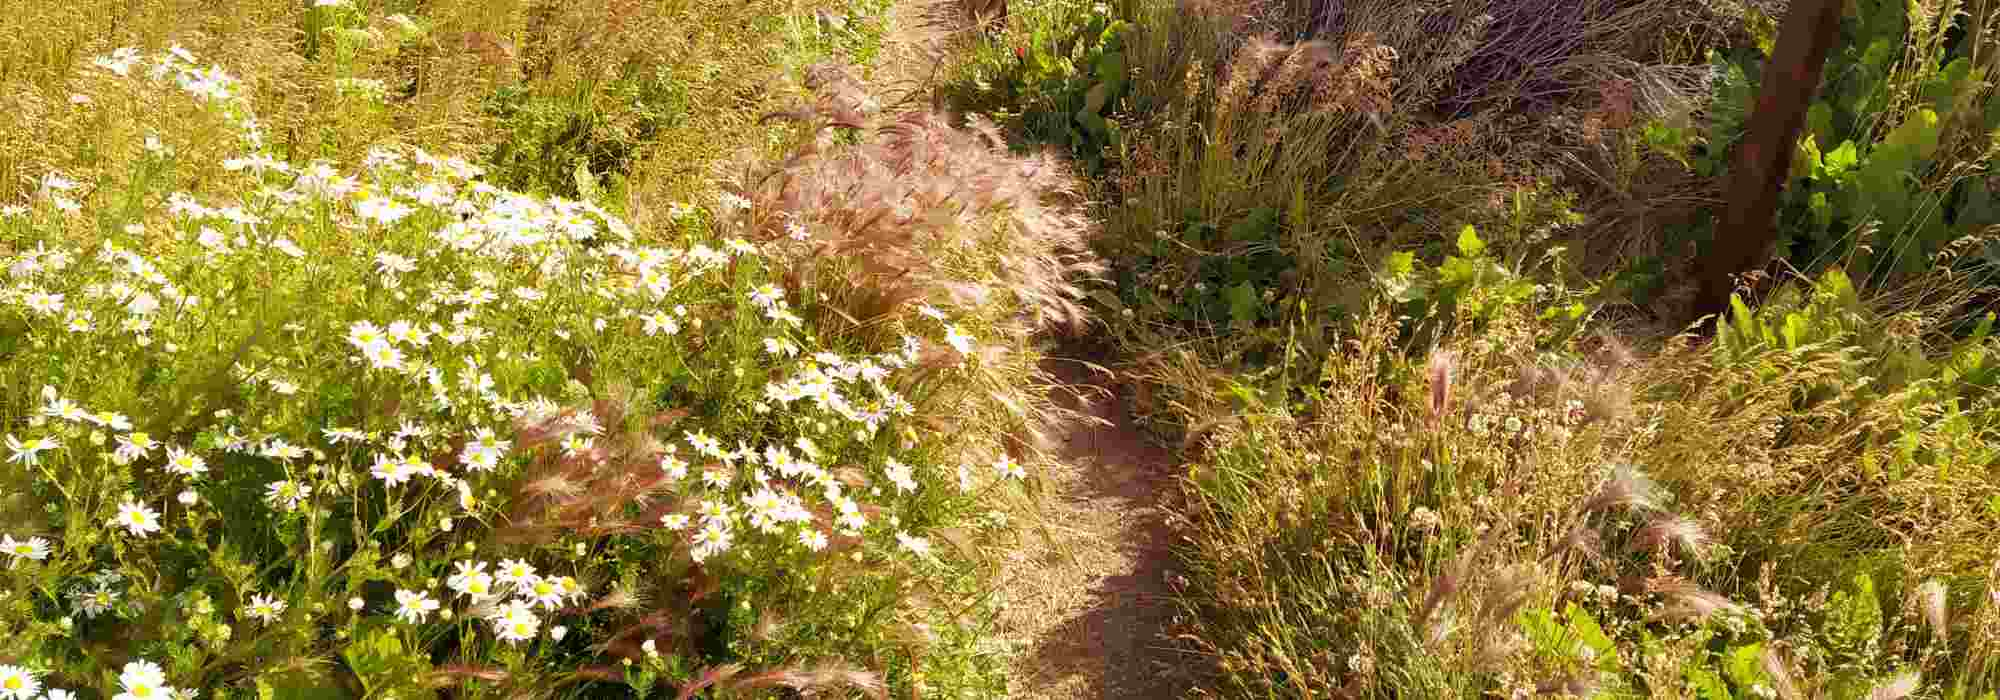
383, 427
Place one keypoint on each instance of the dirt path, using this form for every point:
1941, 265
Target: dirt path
1092, 606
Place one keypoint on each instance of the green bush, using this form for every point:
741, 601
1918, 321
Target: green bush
1056, 76
1889, 170
549, 138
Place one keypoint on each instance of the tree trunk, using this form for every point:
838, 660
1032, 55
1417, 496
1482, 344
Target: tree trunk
1748, 229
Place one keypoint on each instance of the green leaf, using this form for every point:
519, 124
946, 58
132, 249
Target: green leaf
1591, 636
1795, 331
1918, 133
1746, 321
586, 183
1820, 211
1854, 618
1806, 159
1819, 120
380, 661
1841, 159
1745, 667
1400, 264
1243, 303
1469, 244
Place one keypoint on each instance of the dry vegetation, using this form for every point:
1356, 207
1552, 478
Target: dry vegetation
1370, 262
1367, 264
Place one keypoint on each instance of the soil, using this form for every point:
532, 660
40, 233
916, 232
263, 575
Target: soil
1091, 602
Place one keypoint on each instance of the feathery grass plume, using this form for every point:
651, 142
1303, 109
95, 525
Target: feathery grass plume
816, 679
1903, 685
923, 210
1446, 584
618, 597
1443, 368
1672, 531
1581, 684
1628, 487
1365, 82
457, 674
1683, 601
1506, 593
708, 677
1778, 665
1582, 539
1929, 598
600, 672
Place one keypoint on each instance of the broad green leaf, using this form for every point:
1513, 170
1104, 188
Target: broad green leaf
1469, 244
586, 183
1918, 133
1243, 303
1400, 264
1806, 158
1592, 636
1819, 120
1795, 332
1746, 321
1841, 159
1745, 666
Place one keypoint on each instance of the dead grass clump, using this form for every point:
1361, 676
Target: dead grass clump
920, 210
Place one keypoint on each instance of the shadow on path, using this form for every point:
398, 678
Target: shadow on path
1098, 605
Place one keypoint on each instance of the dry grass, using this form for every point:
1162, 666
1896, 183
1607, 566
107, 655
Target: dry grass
1337, 547
437, 70
923, 211
1089, 601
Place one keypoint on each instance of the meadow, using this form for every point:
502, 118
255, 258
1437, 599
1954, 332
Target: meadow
658, 348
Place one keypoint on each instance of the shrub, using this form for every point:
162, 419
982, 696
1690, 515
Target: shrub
392, 429
1886, 174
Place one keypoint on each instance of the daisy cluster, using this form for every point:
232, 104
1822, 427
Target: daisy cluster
397, 344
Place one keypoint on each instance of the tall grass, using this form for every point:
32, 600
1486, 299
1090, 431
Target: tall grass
1442, 523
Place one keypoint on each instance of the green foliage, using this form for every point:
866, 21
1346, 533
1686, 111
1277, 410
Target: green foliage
1469, 285
1885, 174
1056, 77
552, 135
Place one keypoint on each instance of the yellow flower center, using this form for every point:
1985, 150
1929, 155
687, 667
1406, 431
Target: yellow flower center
140, 690
13, 683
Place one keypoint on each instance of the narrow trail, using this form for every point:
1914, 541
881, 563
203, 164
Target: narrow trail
1092, 606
